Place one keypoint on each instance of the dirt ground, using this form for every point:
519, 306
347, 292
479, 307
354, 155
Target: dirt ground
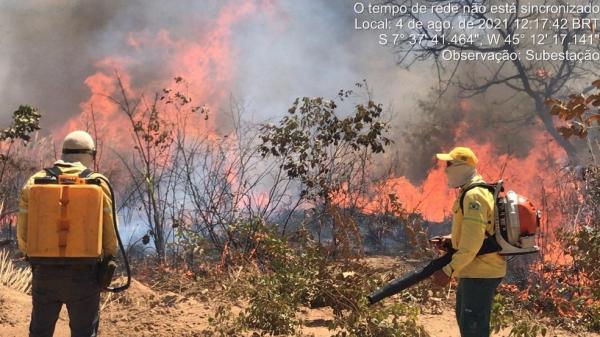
146, 313
142, 311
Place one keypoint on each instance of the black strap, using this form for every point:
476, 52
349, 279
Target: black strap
79, 151
86, 173
53, 171
489, 187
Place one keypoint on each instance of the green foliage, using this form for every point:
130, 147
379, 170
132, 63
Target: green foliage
15, 161
26, 119
272, 306
584, 246
193, 245
317, 146
527, 328
505, 315
591, 319
397, 320
580, 283
327, 152
342, 286
287, 278
500, 317
223, 324
592, 191
309, 279
296, 274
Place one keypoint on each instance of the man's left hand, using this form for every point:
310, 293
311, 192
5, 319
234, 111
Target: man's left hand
440, 278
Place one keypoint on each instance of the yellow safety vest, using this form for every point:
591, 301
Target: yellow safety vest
469, 228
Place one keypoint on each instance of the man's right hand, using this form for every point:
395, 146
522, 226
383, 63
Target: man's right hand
440, 278
442, 242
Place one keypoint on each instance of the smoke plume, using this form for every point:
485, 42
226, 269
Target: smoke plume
279, 50
55, 54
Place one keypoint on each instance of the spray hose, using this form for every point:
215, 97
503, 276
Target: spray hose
114, 214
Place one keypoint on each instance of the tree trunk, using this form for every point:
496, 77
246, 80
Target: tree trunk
329, 218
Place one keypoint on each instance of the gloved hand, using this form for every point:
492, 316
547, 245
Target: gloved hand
106, 270
440, 278
442, 242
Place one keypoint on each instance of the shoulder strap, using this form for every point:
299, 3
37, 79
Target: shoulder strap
86, 173
53, 171
489, 187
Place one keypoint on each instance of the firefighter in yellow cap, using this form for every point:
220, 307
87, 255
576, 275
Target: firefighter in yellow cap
472, 221
63, 280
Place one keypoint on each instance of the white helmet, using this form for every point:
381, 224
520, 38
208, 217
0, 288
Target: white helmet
78, 146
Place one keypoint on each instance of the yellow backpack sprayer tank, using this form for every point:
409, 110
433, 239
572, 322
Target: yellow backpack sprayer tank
64, 223
65, 219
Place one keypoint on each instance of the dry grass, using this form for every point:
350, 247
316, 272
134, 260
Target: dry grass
12, 276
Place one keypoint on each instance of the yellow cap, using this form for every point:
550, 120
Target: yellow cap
461, 154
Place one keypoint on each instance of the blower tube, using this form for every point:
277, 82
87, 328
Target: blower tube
395, 286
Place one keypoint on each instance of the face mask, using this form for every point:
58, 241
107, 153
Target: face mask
459, 174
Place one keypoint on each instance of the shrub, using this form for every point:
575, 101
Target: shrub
294, 275
398, 320
504, 315
591, 319
289, 279
272, 307
223, 324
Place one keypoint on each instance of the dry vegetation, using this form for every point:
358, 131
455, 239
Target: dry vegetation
14, 277
226, 262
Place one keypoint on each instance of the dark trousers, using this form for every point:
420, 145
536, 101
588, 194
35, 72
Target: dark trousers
474, 298
75, 286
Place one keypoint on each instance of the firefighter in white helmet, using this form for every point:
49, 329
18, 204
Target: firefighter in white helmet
58, 281
473, 221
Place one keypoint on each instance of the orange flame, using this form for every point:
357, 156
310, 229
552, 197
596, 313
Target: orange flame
528, 176
205, 59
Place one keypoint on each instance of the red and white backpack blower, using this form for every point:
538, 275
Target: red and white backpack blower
516, 220
516, 226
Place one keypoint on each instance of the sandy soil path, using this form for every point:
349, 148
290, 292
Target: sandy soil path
144, 312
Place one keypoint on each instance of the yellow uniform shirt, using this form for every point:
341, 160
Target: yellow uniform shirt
109, 239
469, 231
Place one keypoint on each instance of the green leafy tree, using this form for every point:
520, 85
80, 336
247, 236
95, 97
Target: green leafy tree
323, 149
26, 119
16, 162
